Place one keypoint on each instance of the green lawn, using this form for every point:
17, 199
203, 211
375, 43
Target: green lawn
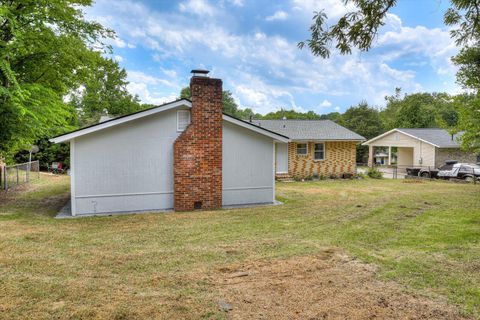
424, 235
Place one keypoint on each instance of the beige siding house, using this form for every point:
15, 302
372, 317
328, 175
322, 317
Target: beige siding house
316, 147
420, 147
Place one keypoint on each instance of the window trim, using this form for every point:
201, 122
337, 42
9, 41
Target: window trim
306, 149
178, 119
324, 151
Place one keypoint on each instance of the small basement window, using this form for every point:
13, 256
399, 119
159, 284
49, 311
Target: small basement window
319, 152
183, 119
302, 149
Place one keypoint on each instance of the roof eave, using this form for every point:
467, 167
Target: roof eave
248, 125
119, 120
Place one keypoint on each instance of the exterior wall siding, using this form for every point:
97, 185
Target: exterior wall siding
340, 158
247, 167
453, 154
423, 153
125, 168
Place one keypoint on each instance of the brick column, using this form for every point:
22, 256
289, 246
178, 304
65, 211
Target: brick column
198, 150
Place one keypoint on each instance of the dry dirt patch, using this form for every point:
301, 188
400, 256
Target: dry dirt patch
329, 285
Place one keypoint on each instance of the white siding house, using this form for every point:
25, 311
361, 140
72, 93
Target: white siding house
421, 147
126, 164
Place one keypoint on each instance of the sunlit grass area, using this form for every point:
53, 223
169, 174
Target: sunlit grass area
423, 235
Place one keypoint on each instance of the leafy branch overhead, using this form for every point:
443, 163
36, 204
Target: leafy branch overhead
359, 27
355, 29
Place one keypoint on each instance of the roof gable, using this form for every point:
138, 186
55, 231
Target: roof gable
155, 110
436, 137
119, 120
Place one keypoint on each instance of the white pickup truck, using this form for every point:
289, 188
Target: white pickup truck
464, 171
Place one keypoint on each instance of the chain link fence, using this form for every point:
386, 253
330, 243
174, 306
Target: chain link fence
463, 173
18, 174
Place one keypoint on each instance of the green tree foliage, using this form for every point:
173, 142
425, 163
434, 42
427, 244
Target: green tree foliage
104, 91
469, 120
358, 28
45, 47
468, 61
365, 121
419, 110
291, 114
334, 116
49, 152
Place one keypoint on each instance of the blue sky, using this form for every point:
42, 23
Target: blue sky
252, 46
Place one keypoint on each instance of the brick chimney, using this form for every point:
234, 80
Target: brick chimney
198, 150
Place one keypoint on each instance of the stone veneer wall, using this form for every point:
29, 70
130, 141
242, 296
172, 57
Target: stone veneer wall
340, 158
442, 154
197, 158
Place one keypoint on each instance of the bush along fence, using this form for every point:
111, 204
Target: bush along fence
17, 174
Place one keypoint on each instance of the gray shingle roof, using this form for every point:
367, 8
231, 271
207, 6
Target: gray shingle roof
438, 137
309, 129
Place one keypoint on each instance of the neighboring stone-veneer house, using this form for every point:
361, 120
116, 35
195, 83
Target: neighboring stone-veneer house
316, 148
428, 147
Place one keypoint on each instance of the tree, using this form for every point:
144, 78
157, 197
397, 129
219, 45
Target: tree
365, 121
45, 51
104, 90
468, 61
333, 116
419, 110
358, 29
291, 114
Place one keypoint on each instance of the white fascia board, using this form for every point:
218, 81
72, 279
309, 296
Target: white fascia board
366, 143
114, 122
275, 136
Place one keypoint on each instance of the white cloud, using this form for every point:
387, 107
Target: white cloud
325, 104
198, 7
278, 15
337, 108
434, 44
238, 3
266, 71
333, 8
118, 58
141, 77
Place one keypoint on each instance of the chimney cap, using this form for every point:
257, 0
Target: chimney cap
199, 72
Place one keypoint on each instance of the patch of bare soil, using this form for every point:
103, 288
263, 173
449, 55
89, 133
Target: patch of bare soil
329, 285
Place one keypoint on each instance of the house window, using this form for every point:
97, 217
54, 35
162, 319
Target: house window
183, 119
302, 149
319, 152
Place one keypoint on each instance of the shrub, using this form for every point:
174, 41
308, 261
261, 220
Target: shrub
360, 175
374, 173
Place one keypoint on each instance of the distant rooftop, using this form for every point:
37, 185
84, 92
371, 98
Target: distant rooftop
309, 129
436, 136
